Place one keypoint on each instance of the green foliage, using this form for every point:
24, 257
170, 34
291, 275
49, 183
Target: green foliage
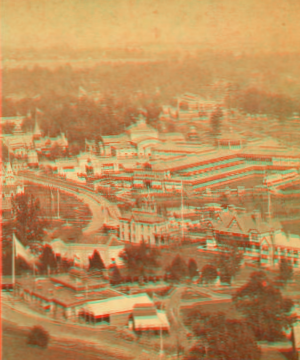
285, 270
255, 101
7, 128
28, 218
96, 262
38, 336
223, 338
209, 274
192, 268
115, 277
141, 260
47, 259
56, 152
267, 312
178, 269
229, 263
196, 352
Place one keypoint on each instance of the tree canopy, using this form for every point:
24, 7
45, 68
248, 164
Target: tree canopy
96, 262
47, 259
178, 269
266, 311
141, 260
222, 338
115, 275
192, 268
29, 221
209, 274
285, 270
229, 263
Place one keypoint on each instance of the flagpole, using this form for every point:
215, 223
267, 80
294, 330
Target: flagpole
58, 203
182, 230
13, 262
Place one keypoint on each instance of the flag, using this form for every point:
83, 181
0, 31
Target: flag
22, 251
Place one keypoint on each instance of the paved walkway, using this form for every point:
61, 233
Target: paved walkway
96, 202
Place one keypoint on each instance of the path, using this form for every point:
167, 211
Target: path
97, 203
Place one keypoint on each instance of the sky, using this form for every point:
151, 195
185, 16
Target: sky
269, 25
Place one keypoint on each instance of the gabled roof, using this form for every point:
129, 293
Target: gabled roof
117, 305
140, 217
245, 222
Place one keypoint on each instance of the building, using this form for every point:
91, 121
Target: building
261, 240
190, 107
19, 165
146, 225
84, 298
11, 186
44, 144
108, 246
16, 120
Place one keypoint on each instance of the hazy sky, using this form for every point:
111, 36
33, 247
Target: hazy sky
227, 24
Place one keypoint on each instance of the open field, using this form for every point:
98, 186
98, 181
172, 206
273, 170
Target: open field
68, 207
14, 346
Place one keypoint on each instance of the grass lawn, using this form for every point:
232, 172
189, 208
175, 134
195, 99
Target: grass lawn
193, 295
188, 252
14, 346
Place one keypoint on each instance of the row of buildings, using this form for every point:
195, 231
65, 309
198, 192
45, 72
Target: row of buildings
85, 298
25, 148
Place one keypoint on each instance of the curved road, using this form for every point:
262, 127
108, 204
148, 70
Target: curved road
172, 306
97, 204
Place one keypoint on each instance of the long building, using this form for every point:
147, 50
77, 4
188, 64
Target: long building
87, 298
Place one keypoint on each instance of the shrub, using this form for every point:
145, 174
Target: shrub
38, 336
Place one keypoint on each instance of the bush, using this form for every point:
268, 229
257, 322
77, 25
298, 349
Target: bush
38, 336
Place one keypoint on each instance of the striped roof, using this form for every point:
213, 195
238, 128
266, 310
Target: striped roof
120, 304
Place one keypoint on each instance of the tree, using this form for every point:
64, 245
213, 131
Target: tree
196, 352
267, 312
223, 338
66, 264
8, 128
285, 270
178, 269
229, 263
224, 200
28, 218
209, 274
56, 152
141, 260
38, 336
96, 262
47, 259
115, 277
192, 268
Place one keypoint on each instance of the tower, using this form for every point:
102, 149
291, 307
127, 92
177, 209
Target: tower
9, 177
37, 131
